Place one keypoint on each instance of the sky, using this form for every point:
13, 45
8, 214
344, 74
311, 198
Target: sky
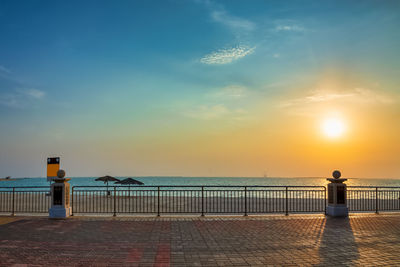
200, 88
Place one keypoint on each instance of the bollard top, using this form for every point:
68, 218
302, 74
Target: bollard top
336, 177
60, 174
336, 174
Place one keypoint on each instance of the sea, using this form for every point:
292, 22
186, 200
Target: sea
205, 181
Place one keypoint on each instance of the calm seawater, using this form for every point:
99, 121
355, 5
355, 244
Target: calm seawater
221, 181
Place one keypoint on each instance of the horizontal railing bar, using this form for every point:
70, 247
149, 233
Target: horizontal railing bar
296, 190
146, 190
200, 186
27, 191
373, 187
24, 187
21, 191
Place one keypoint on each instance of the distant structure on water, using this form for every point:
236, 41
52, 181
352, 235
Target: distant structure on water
6, 178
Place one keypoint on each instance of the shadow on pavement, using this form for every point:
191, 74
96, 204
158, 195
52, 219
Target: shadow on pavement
338, 245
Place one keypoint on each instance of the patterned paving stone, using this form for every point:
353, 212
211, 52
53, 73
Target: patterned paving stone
310, 240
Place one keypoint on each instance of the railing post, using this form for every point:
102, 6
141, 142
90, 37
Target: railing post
72, 202
202, 201
158, 202
245, 201
376, 200
115, 201
13, 202
326, 199
287, 203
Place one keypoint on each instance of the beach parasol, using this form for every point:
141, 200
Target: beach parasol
130, 181
107, 179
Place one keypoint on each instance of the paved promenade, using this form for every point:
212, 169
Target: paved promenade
367, 240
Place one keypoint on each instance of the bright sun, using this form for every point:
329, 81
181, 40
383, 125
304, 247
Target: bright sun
333, 127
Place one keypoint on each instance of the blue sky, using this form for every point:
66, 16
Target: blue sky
79, 76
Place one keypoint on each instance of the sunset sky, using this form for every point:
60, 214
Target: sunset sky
200, 88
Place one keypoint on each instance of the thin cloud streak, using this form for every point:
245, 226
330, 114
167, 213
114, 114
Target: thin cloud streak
34, 93
224, 103
21, 97
225, 56
206, 112
356, 95
229, 92
215, 112
9, 100
4, 69
232, 22
219, 14
288, 28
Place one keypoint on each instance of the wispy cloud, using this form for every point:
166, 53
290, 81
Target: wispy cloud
220, 15
8, 100
231, 21
4, 69
289, 27
225, 56
223, 103
241, 29
206, 112
356, 95
34, 93
21, 97
229, 92
215, 112
372, 96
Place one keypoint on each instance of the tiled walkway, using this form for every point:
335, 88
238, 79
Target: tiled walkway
210, 241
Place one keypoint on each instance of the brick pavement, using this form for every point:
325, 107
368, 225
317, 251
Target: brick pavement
210, 241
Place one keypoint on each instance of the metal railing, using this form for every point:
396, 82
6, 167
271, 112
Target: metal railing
32, 199
198, 199
373, 198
